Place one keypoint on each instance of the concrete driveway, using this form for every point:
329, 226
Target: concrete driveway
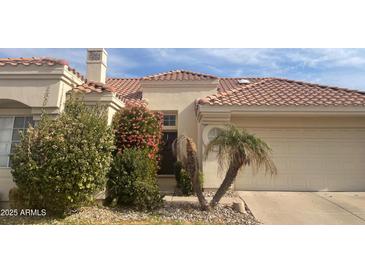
299, 208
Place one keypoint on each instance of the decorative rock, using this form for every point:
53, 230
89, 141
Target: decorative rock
239, 206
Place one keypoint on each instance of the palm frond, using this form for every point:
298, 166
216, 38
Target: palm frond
236, 146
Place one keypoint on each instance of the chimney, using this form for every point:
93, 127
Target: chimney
96, 65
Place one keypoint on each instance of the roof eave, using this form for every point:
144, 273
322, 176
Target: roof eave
282, 111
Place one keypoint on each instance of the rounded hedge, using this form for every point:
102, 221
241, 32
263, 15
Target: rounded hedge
132, 180
62, 163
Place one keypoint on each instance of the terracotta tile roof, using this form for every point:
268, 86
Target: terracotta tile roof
38, 61
91, 86
282, 92
32, 60
129, 88
226, 84
257, 92
179, 75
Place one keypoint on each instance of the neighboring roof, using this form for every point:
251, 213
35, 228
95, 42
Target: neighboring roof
282, 92
180, 75
38, 61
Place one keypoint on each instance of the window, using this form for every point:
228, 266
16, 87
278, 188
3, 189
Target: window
169, 120
10, 129
213, 133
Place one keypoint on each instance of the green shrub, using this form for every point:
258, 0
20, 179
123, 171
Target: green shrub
18, 199
62, 163
132, 180
183, 181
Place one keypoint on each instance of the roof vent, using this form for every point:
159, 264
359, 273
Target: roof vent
243, 81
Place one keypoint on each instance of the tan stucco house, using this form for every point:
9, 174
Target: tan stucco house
317, 132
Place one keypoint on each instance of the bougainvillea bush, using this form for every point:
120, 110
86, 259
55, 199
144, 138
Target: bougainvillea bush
132, 179
138, 127
61, 164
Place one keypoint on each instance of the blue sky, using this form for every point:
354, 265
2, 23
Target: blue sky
338, 67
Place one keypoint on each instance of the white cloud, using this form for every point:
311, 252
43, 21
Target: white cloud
119, 65
328, 57
276, 58
255, 57
118, 60
163, 55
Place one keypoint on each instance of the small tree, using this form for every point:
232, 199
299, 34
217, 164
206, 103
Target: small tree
132, 180
60, 164
184, 149
236, 148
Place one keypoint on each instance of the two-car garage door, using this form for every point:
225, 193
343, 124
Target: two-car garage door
308, 156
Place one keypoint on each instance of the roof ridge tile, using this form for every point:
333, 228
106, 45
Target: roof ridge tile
179, 74
39, 61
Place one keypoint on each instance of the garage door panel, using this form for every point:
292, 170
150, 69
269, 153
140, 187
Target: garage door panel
311, 160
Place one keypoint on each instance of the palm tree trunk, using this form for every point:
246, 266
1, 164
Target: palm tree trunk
227, 182
193, 169
199, 193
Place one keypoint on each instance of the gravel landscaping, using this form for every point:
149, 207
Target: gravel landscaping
228, 194
171, 213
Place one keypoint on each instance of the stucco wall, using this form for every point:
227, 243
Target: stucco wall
106, 99
29, 85
30, 92
179, 96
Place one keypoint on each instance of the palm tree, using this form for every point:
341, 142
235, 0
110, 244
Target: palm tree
184, 149
236, 148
